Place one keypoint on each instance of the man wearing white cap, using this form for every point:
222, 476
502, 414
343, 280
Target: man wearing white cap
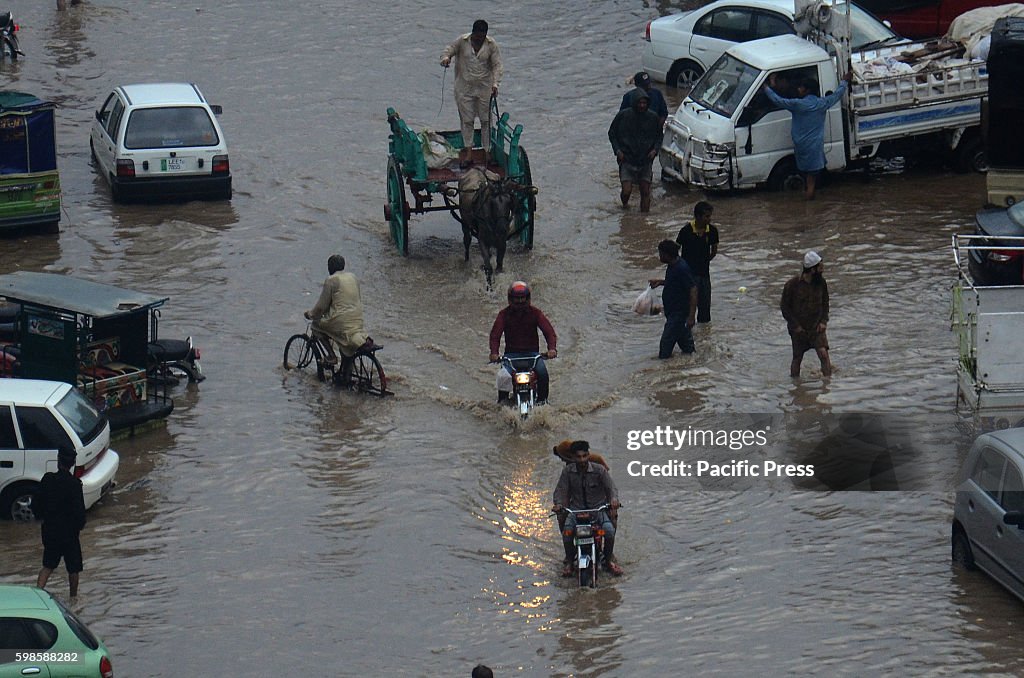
805, 308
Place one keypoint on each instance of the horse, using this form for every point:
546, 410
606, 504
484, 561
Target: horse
486, 202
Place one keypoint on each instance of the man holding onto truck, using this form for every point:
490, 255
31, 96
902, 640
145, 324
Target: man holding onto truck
808, 127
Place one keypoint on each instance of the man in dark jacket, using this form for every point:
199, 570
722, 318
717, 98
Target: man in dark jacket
805, 307
519, 323
584, 485
636, 135
61, 505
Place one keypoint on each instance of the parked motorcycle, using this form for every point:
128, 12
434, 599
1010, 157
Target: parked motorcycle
522, 392
9, 37
169, 359
588, 538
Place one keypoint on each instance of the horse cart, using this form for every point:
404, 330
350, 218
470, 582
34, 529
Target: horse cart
408, 168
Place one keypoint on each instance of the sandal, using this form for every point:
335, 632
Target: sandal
567, 569
613, 568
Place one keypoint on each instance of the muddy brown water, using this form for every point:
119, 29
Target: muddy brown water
276, 526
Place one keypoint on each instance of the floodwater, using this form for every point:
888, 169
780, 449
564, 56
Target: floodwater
276, 526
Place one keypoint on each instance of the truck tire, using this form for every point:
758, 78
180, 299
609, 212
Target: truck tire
785, 177
970, 155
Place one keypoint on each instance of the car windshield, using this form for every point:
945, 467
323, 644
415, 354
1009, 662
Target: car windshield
170, 127
866, 30
82, 416
725, 84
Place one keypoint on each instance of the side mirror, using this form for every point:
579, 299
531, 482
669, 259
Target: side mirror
1014, 518
217, 109
98, 116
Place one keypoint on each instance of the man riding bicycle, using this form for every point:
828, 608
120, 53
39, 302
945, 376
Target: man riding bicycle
338, 313
519, 322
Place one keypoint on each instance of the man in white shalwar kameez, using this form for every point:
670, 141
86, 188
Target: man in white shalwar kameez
338, 313
478, 73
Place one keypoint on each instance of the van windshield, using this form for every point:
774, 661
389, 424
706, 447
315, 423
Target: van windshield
170, 127
724, 86
83, 417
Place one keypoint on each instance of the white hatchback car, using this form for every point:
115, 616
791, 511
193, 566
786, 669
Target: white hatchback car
36, 417
160, 141
681, 47
988, 515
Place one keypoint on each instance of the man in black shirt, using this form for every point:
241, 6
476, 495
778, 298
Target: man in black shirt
698, 242
61, 505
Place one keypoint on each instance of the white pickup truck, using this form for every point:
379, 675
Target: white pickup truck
727, 135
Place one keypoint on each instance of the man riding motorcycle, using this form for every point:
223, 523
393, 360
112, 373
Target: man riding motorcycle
519, 322
583, 485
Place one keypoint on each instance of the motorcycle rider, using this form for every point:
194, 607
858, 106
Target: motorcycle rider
519, 322
582, 485
566, 451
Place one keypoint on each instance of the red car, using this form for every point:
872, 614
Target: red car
923, 18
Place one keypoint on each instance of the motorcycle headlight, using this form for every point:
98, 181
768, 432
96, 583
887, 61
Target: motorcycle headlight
584, 530
523, 378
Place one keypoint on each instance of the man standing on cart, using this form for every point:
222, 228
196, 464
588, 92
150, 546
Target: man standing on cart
478, 73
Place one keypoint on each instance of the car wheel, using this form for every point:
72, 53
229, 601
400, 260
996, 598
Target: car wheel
16, 502
684, 74
961, 551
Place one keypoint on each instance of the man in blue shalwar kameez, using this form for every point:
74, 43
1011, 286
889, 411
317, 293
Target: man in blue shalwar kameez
808, 127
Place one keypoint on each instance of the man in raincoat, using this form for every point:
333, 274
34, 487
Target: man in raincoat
478, 73
808, 127
636, 135
338, 313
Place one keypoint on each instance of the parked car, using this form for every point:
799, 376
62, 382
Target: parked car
49, 638
36, 417
681, 47
160, 141
988, 515
923, 18
998, 266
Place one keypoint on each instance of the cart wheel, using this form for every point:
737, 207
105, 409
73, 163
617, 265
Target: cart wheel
527, 205
396, 210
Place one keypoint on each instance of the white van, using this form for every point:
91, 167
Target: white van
160, 141
36, 417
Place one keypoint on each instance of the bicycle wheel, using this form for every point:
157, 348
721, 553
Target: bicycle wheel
298, 352
369, 375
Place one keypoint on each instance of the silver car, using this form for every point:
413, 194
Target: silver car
988, 516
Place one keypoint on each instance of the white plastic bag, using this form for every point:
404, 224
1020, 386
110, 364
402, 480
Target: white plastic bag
503, 380
436, 149
645, 302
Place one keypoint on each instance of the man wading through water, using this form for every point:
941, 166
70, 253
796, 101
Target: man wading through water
805, 308
636, 135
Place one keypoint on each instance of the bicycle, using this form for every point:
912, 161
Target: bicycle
361, 372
